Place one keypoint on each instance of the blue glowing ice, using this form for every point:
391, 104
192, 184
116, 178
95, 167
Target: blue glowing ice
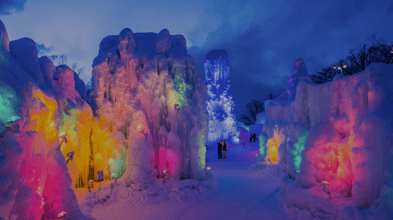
219, 103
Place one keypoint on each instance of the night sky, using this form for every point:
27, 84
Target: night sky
263, 38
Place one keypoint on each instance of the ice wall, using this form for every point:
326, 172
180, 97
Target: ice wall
34, 179
219, 103
149, 105
148, 93
339, 132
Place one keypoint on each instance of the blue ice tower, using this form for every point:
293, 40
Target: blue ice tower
219, 102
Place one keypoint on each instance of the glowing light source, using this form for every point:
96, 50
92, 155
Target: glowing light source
325, 188
262, 146
298, 147
14, 118
391, 50
208, 171
166, 174
343, 66
273, 144
61, 214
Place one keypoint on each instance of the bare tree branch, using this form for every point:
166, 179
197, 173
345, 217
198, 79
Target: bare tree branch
358, 59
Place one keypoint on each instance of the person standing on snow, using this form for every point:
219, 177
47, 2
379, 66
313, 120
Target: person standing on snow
224, 149
219, 148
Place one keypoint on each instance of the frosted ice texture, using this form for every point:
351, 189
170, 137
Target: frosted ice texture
148, 89
340, 132
219, 103
34, 179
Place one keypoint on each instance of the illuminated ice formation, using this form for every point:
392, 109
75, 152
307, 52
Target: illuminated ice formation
339, 132
149, 103
219, 103
34, 178
148, 93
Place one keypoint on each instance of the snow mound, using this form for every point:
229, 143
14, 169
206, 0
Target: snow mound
159, 190
314, 203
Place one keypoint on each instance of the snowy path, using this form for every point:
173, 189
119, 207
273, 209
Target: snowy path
242, 193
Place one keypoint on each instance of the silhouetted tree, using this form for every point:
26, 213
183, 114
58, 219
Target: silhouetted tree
62, 60
77, 70
358, 60
59, 60
253, 108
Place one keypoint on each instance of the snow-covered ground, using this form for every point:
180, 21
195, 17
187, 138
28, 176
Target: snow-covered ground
239, 189
241, 193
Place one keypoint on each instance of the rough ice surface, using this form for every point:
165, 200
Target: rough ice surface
25, 53
147, 93
148, 121
219, 103
339, 132
34, 179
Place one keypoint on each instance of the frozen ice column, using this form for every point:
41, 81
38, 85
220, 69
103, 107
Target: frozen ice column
219, 102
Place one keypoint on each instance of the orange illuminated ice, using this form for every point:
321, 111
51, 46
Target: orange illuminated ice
273, 144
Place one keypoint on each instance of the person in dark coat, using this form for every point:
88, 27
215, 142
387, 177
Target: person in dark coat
219, 148
254, 137
224, 149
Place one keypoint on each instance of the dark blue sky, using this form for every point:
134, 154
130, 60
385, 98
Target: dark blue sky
263, 38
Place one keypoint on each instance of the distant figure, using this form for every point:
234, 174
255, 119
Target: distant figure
224, 149
254, 137
271, 97
219, 148
251, 138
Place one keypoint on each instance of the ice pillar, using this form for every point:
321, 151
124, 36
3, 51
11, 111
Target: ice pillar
219, 103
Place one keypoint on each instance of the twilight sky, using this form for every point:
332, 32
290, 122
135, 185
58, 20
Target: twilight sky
263, 37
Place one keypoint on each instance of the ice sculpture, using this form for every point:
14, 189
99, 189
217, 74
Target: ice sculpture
338, 132
34, 178
219, 103
149, 103
147, 91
